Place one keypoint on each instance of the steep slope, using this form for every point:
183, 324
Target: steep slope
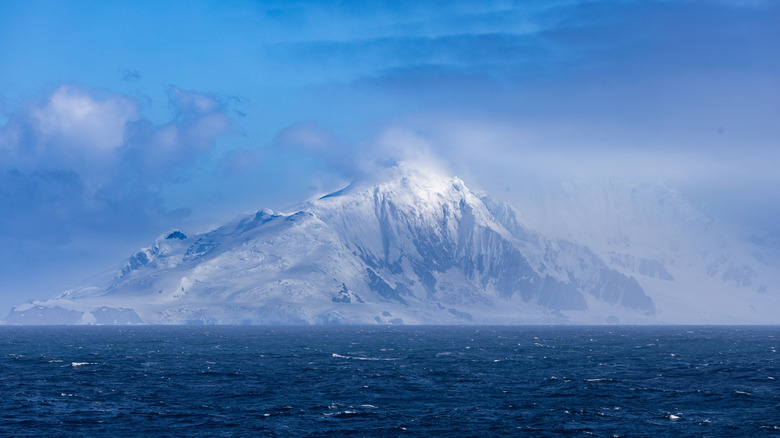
438, 230
412, 248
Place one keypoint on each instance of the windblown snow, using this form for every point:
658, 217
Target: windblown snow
420, 248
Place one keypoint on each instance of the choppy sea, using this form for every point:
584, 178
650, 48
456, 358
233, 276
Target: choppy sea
390, 381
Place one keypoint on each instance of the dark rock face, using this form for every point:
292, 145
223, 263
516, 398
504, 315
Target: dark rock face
177, 235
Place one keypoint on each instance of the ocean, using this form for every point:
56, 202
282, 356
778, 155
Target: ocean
608, 381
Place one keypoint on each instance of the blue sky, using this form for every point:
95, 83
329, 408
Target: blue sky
120, 121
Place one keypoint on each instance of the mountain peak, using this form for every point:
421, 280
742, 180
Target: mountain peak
400, 177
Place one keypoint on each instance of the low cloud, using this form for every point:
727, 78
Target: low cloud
729, 178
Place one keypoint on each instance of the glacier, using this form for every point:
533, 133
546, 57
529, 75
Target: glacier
413, 246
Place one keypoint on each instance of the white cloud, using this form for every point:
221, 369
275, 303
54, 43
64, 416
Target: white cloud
73, 118
401, 144
98, 134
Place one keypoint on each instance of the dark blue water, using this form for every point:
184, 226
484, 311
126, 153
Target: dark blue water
389, 381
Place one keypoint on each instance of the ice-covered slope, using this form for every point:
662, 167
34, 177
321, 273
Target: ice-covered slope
411, 247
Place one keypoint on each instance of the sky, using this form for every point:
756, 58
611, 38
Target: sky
121, 121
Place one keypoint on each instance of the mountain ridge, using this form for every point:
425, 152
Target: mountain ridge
409, 246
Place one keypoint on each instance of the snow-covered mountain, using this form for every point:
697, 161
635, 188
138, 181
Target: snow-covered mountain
410, 247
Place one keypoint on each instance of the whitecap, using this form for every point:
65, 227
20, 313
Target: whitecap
336, 355
78, 364
340, 413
